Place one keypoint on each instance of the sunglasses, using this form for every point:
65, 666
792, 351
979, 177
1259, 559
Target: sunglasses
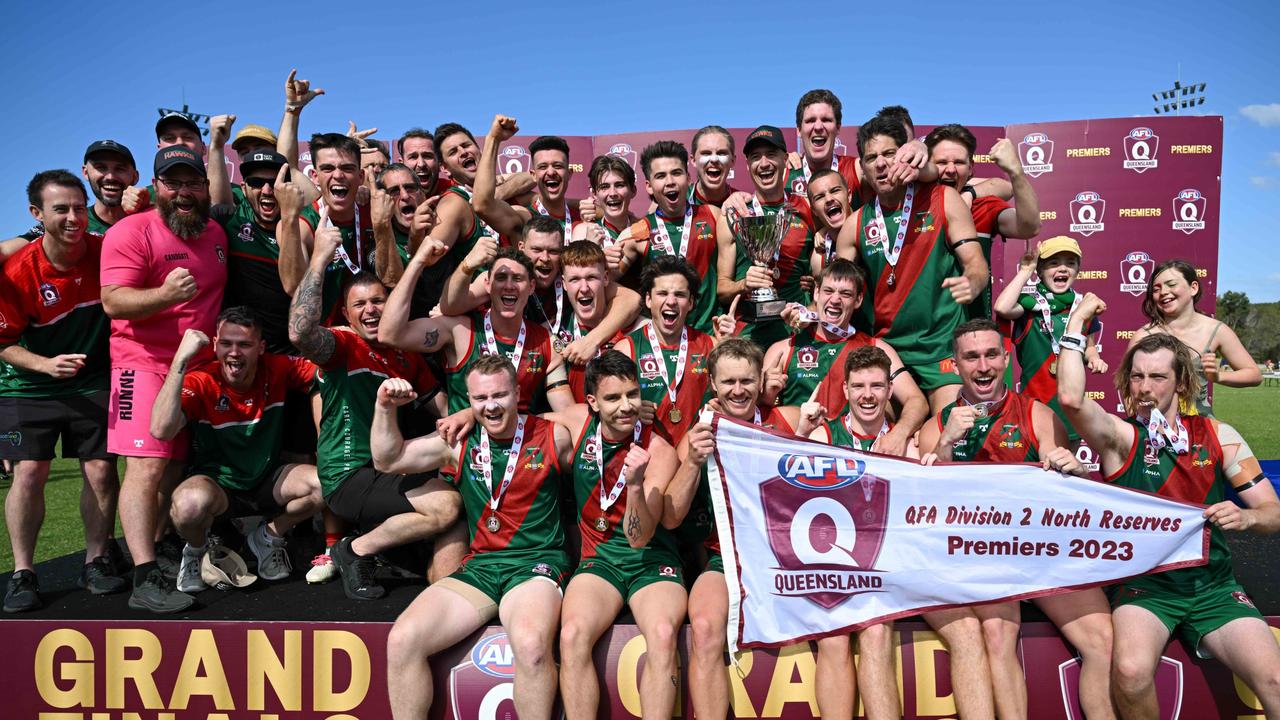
257, 182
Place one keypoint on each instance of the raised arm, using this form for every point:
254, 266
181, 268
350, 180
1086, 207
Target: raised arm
1024, 221
1006, 303
461, 295
427, 334
915, 407
390, 451
167, 418
649, 472
293, 234
315, 342
500, 216
1107, 434
962, 237
219, 180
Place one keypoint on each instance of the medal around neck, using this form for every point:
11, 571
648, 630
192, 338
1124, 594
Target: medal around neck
760, 237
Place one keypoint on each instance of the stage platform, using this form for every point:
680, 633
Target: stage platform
289, 650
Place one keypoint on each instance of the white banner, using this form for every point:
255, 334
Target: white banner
820, 539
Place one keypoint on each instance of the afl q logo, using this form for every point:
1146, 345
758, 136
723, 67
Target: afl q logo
1036, 153
624, 151
1188, 211
513, 159
1140, 148
1087, 211
1135, 269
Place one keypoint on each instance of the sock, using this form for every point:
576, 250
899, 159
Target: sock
141, 570
331, 539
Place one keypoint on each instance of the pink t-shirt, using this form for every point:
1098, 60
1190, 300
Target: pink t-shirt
139, 252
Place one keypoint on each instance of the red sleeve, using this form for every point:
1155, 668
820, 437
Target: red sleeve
125, 257
13, 320
195, 387
986, 214
299, 374
343, 342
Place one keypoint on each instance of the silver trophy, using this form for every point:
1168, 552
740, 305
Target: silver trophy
760, 236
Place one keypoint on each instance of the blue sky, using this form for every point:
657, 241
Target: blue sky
600, 67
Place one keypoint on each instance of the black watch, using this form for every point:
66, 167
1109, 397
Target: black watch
969, 189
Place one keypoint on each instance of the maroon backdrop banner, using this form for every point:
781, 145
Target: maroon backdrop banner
165, 670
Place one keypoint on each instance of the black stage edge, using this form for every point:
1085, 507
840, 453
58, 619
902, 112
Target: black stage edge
295, 600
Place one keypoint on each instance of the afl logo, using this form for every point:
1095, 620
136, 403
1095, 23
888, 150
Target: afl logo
624, 151
1140, 148
1188, 211
493, 656
1136, 267
1087, 211
1036, 153
513, 159
819, 472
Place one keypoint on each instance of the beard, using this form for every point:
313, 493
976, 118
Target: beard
185, 226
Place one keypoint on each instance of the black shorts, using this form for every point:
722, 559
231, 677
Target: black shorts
30, 427
299, 425
368, 497
258, 501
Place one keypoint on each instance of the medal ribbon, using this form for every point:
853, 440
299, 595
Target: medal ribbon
681, 354
341, 252
491, 343
607, 502
513, 459
904, 222
1161, 433
568, 220
848, 425
835, 165
664, 240
484, 226
1045, 306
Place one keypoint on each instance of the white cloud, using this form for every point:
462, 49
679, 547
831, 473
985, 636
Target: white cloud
1274, 158
1264, 115
1263, 182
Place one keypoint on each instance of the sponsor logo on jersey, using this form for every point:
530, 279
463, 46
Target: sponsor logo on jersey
1140, 147
49, 294
223, 404
1036, 153
542, 569
626, 152
246, 232
514, 159
1087, 211
1188, 211
649, 367
1135, 268
807, 357
1011, 436
533, 458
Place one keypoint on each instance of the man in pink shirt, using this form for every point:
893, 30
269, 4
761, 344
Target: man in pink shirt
163, 272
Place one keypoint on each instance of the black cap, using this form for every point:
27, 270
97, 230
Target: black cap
176, 117
261, 159
765, 134
175, 155
110, 146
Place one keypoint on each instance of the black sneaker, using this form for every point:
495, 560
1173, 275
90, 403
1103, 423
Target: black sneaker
119, 564
23, 593
357, 572
99, 577
158, 595
169, 556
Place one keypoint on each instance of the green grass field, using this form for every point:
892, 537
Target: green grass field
1248, 409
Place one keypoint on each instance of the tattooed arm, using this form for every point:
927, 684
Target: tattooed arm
316, 343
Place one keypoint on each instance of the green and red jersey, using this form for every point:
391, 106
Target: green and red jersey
691, 389
348, 385
816, 363
839, 434
986, 220
96, 226
1006, 434
255, 264
528, 513
702, 251
1033, 341
798, 184
237, 435
360, 250
52, 312
913, 313
531, 366
610, 544
1194, 476
578, 373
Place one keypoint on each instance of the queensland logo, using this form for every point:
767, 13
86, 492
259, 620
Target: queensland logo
1242, 598
223, 404
1168, 682
493, 656
825, 518
666, 571
514, 159
246, 232
649, 367
49, 294
542, 569
477, 460
1036, 153
1188, 211
590, 448
624, 151
1087, 211
1087, 457
874, 234
807, 357
222, 256
1135, 268
1140, 148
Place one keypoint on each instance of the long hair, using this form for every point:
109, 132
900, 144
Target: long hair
1188, 384
1184, 268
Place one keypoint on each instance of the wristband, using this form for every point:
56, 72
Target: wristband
969, 189
1072, 341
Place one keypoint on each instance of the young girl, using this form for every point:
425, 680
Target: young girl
1172, 293
1040, 317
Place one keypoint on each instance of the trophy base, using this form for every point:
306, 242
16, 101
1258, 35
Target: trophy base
761, 310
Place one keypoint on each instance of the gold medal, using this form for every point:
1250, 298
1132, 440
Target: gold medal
1053, 368
493, 524
675, 415
601, 524
559, 344
889, 281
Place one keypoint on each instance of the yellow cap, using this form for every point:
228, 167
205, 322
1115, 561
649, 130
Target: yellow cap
253, 132
1055, 245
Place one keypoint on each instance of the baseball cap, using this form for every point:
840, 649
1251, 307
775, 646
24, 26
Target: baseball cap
1055, 245
224, 569
176, 117
253, 132
110, 146
175, 155
765, 134
261, 159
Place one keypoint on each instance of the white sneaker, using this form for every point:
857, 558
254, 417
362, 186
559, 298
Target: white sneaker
322, 569
273, 559
189, 580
